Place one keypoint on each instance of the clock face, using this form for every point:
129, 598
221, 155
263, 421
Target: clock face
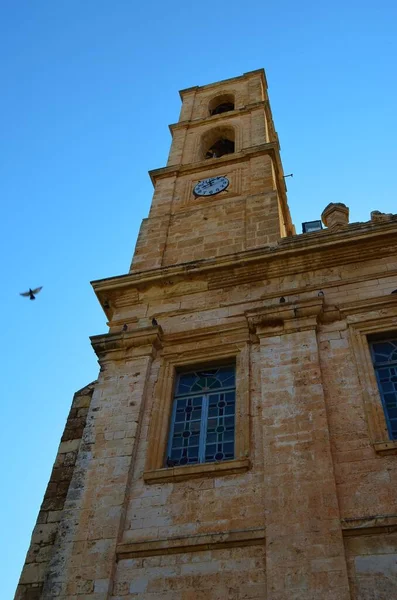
210, 186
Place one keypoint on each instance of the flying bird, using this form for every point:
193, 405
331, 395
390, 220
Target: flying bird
31, 294
154, 322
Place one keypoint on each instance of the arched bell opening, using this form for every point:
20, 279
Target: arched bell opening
221, 104
218, 142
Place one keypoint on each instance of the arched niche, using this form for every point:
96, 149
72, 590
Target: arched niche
217, 142
221, 104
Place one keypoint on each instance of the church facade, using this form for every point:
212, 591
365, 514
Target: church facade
240, 441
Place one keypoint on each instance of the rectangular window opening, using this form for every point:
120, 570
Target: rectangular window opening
203, 419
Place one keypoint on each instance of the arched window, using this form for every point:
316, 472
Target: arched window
217, 142
221, 104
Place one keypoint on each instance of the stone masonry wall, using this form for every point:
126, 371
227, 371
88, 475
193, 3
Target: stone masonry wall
236, 573
46, 529
182, 228
313, 466
352, 479
372, 564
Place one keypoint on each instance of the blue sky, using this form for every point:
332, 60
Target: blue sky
88, 91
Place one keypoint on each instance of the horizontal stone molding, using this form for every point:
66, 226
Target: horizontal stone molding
248, 75
269, 148
172, 474
369, 525
285, 317
359, 242
384, 302
235, 333
218, 118
116, 346
194, 543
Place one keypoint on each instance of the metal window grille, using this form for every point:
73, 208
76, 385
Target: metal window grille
203, 417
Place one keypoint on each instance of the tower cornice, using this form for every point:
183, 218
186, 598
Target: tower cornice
212, 119
271, 148
247, 75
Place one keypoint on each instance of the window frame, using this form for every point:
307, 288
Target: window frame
362, 332
158, 435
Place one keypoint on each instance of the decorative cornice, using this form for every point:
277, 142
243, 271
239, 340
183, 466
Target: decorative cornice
285, 317
271, 148
294, 255
210, 119
247, 75
363, 306
115, 346
321, 250
193, 543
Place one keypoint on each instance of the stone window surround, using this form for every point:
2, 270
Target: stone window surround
361, 328
213, 133
219, 351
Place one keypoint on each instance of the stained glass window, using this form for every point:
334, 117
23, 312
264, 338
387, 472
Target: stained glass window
384, 355
203, 417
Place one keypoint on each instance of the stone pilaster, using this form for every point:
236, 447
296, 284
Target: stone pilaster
84, 559
304, 547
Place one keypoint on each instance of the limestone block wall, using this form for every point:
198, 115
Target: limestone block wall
313, 472
310, 420
196, 507
182, 228
372, 564
366, 480
217, 574
82, 562
46, 530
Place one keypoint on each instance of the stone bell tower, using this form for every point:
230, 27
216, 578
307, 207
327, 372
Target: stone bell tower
225, 129
242, 432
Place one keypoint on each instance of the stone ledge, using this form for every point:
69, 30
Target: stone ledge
210, 119
172, 474
384, 448
369, 525
116, 345
359, 242
194, 543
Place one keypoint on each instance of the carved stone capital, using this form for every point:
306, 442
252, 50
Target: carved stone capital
285, 318
121, 345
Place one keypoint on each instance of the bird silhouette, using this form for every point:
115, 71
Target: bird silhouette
320, 294
154, 322
125, 327
282, 300
31, 294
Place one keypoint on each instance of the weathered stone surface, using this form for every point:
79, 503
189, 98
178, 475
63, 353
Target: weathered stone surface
306, 511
